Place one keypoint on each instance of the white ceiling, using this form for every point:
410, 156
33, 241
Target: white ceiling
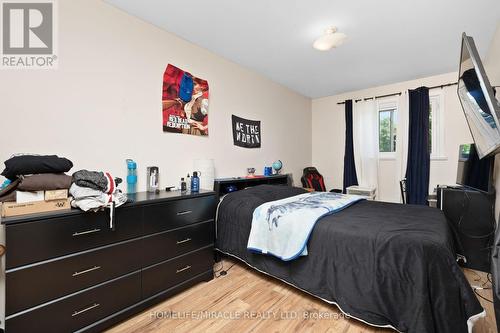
387, 40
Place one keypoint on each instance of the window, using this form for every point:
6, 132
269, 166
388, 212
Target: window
436, 130
387, 129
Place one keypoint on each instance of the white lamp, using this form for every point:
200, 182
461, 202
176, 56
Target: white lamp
329, 40
206, 167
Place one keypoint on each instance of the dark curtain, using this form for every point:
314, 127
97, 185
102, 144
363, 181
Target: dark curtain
418, 164
350, 177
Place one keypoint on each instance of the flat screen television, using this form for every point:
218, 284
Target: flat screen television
478, 101
473, 172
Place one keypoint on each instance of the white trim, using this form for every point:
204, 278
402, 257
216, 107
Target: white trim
389, 156
439, 158
438, 128
388, 104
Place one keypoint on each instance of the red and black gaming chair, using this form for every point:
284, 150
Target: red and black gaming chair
311, 178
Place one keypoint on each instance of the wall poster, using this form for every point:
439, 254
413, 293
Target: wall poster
185, 102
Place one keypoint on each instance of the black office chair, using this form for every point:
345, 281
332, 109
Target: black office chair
402, 187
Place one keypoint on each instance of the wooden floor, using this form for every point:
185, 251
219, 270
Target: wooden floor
263, 304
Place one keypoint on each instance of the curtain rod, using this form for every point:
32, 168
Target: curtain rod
444, 85
367, 98
398, 93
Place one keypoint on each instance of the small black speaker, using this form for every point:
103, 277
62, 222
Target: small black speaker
470, 215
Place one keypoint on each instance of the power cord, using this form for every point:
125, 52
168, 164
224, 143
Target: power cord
483, 285
220, 268
222, 271
487, 300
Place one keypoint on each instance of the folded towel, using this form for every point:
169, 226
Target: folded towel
45, 181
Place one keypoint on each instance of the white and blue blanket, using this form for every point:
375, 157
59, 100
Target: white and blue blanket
282, 228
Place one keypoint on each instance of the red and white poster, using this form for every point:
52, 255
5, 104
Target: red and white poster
185, 102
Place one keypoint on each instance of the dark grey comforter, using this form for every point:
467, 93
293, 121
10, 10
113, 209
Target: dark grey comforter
384, 263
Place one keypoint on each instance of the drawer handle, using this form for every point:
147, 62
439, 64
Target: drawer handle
184, 241
80, 233
183, 269
95, 268
76, 313
184, 212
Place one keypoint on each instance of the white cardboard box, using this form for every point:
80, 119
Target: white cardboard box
25, 196
56, 195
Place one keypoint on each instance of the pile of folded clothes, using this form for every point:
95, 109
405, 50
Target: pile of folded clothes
93, 190
35, 183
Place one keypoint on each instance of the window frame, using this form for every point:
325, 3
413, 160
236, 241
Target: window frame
437, 129
388, 104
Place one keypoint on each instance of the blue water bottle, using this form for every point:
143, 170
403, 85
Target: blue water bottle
195, 182
131, 176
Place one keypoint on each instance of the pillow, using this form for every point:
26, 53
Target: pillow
45, 181
32, 164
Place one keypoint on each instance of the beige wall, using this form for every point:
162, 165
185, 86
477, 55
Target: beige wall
492, 59
329, 127
492, 67
103, 104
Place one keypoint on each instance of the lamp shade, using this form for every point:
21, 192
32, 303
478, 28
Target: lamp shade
206, 167
329, 40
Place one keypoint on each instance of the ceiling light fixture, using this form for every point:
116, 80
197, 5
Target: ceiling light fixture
329, 40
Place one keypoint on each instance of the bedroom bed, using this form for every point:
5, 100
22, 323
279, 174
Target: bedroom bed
386, 264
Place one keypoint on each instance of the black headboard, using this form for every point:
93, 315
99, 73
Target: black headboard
241, 183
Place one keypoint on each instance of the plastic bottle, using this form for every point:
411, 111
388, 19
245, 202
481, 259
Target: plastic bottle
131, 176
183, 186
195, 182
188, 182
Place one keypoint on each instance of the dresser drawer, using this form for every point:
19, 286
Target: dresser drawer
169, 244
178, 213
38, 284
40, 240
171, 272
79, 310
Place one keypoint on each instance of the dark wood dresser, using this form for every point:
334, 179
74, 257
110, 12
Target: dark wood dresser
69, 271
